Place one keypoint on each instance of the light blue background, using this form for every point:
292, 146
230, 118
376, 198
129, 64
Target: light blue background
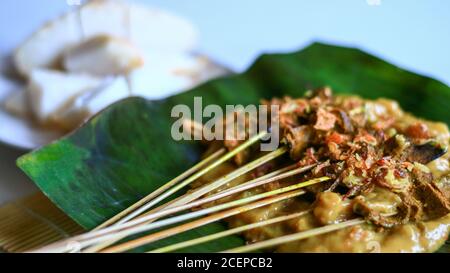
414, 34
411, 33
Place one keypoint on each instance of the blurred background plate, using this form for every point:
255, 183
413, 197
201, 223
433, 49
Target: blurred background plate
24, 135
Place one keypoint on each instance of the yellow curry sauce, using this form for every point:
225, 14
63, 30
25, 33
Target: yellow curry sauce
330, 207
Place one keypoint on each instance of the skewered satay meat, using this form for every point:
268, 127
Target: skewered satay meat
385, 165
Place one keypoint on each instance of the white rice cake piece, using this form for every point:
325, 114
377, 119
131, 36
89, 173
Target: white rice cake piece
165, 74
91, 103
102, 56
43, 48
17, 103
50, 91
147, 28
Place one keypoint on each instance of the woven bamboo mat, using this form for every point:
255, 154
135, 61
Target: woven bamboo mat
32, 222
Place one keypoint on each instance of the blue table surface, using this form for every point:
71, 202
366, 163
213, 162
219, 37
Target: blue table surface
412, 34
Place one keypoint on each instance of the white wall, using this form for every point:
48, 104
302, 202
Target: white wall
412, 33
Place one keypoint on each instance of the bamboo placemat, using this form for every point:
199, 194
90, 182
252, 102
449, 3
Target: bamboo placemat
32, 222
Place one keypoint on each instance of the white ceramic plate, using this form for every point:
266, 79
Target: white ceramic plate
22, 134
18, 132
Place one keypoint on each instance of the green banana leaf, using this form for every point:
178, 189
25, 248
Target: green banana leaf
126, 151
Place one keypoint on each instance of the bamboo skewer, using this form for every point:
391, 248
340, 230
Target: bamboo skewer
197, 175
258, 182
229, 177
229, 232
145, 204
239, 188
98, 247
84, 240
172, 210
192, 196
295, 236
177, 179
233, 231
200, 222
206, 211
270, 177
211, 209
163, 188
188, 216
135, 219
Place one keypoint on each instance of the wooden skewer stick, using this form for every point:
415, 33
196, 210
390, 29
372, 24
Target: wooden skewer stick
219, 195
269, 175
163, 188
54, 246
173, 204
122, 216
81, 243
188, 216
144, 205
200, 222
161, 197
295, 236
168, 211
246, 200
229, 232
258, 182
98, 247
191, 179
229, 177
